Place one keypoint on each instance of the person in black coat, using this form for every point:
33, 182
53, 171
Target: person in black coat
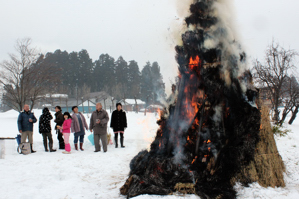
118, 123
45, 129
59, 119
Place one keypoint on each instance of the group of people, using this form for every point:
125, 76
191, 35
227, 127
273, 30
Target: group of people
75, 123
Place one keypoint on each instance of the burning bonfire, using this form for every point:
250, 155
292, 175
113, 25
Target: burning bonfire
211, 131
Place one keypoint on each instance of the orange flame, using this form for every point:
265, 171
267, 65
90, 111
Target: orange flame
159, 113
191, 102
193, 63
194, 160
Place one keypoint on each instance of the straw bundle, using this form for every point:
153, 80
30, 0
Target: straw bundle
267, 168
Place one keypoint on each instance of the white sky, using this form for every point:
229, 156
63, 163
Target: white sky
143, 30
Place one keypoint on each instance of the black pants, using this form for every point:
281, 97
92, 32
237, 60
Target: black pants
121, 139
49, 136
60, 139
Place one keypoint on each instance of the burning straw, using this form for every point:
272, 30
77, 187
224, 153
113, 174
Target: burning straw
211, 131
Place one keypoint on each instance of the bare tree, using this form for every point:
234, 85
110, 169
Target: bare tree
273, 73
294, 99
25, 77
290, 97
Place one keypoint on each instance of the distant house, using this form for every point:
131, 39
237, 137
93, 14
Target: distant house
132, 104
66, 105
98, 97
51, 100
86, 104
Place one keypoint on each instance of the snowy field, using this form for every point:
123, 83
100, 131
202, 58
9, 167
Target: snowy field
100, 175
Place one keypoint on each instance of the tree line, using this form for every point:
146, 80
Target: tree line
118, 77
29, 74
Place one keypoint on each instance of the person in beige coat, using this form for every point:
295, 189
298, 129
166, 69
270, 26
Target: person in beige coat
98, 125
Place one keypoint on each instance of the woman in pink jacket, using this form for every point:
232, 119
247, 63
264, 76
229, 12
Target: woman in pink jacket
66, 130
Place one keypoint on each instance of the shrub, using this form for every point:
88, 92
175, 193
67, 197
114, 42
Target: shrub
280, 131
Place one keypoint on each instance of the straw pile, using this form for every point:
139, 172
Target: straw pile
267, 168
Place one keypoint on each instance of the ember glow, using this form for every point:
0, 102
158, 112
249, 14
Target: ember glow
212, 129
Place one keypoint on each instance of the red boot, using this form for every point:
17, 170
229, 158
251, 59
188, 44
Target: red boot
76, 147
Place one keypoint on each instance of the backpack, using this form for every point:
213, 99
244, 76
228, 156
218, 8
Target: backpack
24, 148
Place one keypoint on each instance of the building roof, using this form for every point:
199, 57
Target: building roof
55, 95
85, 103
97, 95
131, 101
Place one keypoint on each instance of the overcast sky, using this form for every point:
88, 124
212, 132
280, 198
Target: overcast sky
143, 30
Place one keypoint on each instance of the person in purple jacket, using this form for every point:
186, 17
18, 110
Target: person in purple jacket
78, 125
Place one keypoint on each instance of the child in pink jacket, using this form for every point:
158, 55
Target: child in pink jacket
66, 130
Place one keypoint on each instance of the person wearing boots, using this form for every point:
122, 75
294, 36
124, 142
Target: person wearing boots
118, 124
98, 124
78, 125
59, 121
66, 130
45, 129
25, 125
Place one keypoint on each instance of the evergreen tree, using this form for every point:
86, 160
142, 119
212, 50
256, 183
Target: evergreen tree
146, 83
74, 67
103, 75
85, 69
121, 77
134, 80
60, 61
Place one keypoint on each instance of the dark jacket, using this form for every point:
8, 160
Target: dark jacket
44, 121
59, 119
118, 120
100, 128
23, 121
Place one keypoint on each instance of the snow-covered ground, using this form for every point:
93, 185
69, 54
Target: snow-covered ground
100, 175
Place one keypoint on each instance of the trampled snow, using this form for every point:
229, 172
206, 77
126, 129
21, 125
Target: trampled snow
100, 175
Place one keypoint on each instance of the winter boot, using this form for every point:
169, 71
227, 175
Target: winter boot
51, 147
32, 151
61, 145
76, 146
81, 146
116, 142
68, 147
46, 147
122, 142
